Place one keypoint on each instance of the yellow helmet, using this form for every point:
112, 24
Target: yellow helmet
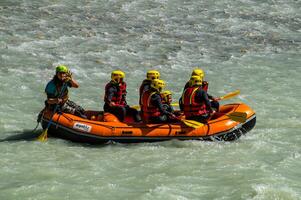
117, 76
158, 84
198, 72
152, 74
195, 80
165, 95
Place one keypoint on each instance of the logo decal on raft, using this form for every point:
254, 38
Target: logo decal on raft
82, 127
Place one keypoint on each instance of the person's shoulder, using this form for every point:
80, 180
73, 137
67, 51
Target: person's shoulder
200, 90
50, 84
50, 87
156, 95
109, 84
146, 81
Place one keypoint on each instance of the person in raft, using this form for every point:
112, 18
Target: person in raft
55, 95
146, 83
115, 98
196, 104
152, 106
166, 101
213, 101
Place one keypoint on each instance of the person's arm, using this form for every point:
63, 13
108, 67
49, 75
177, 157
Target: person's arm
73, 83
70, 80
204, 96
109, 95
213, 98
181, 105
156, 100
54, 101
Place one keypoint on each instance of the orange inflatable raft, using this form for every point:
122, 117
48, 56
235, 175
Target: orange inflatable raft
105, 127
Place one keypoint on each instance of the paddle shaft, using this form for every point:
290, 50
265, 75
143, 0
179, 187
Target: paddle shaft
230, 95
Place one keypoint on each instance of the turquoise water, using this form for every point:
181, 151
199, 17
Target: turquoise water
249, 45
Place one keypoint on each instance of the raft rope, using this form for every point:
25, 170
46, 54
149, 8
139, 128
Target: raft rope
73, 120
107, 126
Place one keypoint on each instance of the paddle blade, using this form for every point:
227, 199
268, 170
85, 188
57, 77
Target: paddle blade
238, 116
192, 123
137, 107
43, 136
230, 95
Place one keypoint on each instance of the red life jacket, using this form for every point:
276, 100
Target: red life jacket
147, 108
122, 87
119, 97
143, 85
190, 106
205, 85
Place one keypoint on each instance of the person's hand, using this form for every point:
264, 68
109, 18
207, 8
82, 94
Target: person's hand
59, 101
216, 99
68, 76
112, 104
172, 116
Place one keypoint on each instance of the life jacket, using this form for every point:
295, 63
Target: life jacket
190, 106
122, 87
65, 95
147, 108
205, 85
143, 88
119, 97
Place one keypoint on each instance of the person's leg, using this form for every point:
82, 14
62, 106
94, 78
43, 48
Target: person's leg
133, 112
215, 105
201, 118
159, 119
118, 111
66, 108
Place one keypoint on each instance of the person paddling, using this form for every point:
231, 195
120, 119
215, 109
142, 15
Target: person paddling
146, 83
213, 100
166, 101
62, 76
115, 98
152, 106
195, 101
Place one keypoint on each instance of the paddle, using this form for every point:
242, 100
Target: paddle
230, 95
43, 136
235, 116
238, 116
137, 107
192, 123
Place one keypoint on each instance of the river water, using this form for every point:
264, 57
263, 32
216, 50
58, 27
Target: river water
249, 45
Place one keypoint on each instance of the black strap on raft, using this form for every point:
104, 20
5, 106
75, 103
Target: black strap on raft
39, 119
